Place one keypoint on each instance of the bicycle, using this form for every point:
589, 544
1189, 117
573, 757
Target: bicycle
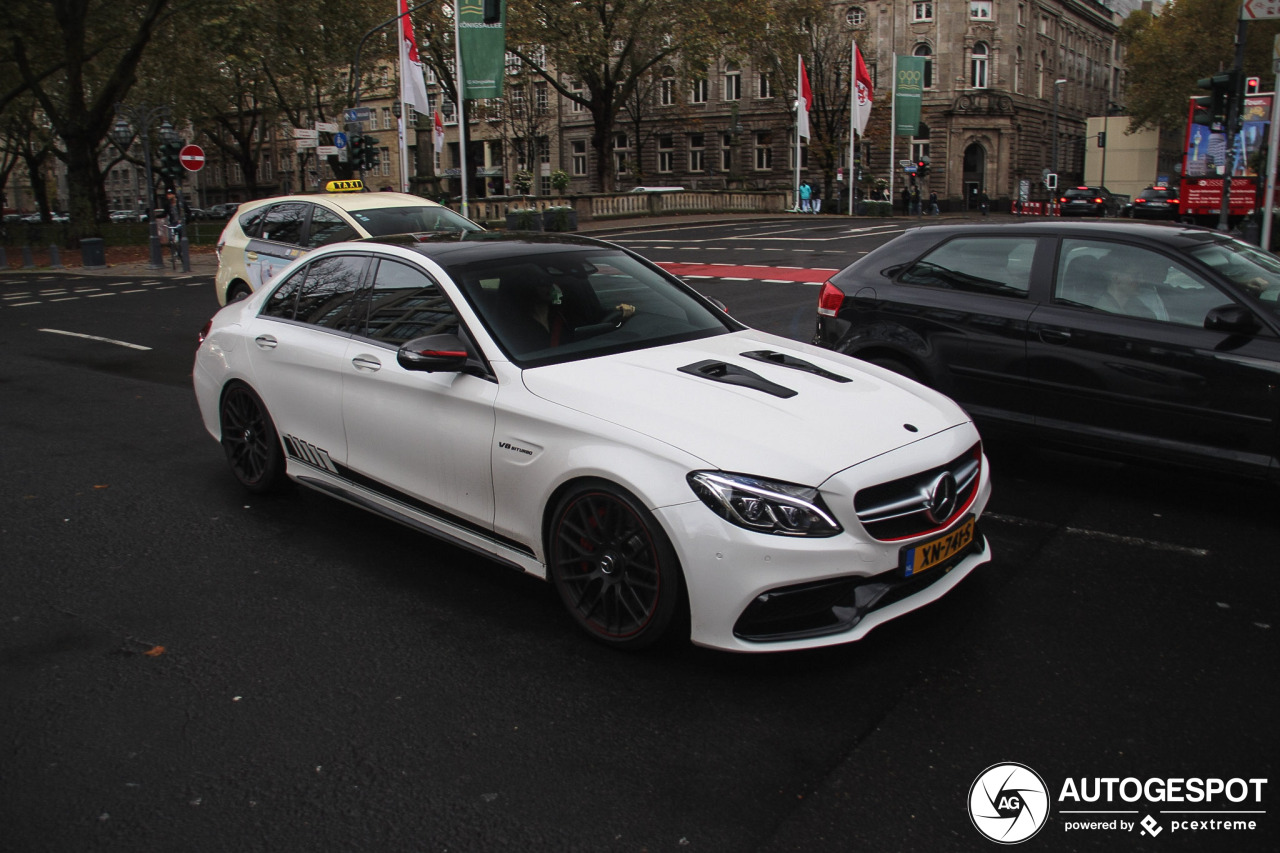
174, 237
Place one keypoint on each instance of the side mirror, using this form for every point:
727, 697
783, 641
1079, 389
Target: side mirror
434, 354
1233, 319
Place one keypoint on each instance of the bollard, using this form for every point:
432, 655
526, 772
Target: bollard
92, 253
55, 260
28, 262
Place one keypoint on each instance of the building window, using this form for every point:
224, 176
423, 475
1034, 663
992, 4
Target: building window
386, 162
666, 153
667, 89
926, 53
733, 83
856, 16
540, 98
579, 158
922, 11
386, 118
264, 172
1017, 71
980, 10
697, 152
698, 91
980, 65
764, 86
726, 152
763, 150
621, 153
575, 106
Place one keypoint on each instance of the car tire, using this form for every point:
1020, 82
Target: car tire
237, 291
250, 440
613, 566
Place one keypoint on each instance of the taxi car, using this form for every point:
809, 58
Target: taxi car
266, 235
569, 409
1126, 339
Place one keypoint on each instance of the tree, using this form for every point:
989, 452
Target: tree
607, 46
1188, 40
77, 59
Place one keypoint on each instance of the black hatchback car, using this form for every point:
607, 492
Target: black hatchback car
1088, 201
1146, 340
1155, 203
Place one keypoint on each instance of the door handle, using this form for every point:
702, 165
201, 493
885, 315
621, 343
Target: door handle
366, 362
250, 256
1053, 336
266, 341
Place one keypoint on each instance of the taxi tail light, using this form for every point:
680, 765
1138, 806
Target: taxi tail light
830, 300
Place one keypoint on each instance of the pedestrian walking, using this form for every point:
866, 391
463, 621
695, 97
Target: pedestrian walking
984, 202
806, 193
933, 203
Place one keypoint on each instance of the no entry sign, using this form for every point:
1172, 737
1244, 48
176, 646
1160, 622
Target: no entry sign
191, 157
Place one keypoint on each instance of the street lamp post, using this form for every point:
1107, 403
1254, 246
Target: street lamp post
1057, 90
131, 120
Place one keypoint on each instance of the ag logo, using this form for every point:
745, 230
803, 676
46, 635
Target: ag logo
1008, 803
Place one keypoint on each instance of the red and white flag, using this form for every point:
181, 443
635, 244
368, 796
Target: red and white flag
437, 133
863, 93
802, 105
413, 88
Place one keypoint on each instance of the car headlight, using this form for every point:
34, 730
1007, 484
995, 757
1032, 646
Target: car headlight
766, 506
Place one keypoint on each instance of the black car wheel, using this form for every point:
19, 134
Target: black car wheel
250, 440
613, 566
237, 291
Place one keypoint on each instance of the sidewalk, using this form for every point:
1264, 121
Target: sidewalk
135, 260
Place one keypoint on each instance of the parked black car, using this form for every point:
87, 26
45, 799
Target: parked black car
1155, 203
1142, 339
1088, 201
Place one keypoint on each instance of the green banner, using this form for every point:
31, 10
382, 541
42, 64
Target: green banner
484, 47
908, 89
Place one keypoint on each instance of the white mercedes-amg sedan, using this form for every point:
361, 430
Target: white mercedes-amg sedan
565, 407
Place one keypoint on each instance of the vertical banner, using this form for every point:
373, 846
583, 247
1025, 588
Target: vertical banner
482, 46
908, 89
413, 89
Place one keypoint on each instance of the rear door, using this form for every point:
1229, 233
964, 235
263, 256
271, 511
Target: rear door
276, 242
962, 309
1140, 368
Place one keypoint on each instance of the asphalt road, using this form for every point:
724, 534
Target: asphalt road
184, 667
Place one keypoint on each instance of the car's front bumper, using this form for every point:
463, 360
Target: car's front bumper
754, 592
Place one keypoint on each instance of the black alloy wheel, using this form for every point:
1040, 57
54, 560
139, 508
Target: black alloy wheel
613, 566
250, 440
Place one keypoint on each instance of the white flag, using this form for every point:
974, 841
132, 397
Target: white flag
413, 88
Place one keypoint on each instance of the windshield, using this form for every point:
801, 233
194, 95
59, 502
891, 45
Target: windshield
1082, 193
548, 307
1252, 270
411, 219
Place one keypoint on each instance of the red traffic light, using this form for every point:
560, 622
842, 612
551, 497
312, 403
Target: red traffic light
1252, 85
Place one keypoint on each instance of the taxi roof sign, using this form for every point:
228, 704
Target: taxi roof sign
344, 187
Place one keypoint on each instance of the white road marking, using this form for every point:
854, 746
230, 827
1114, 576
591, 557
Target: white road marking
96, 338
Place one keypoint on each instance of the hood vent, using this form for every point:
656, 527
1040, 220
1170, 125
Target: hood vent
731, 374
781, 359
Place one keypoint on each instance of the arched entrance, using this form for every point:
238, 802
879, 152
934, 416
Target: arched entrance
975, 174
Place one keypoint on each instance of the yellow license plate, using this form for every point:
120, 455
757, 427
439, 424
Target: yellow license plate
938, 550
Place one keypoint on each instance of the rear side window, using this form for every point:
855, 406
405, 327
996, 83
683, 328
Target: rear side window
994, 265
283, 223
328, 227
328, 295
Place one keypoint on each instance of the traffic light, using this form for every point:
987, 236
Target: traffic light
1223, 89
1252, 85
355, 151
922, 167
370, 153
170, 165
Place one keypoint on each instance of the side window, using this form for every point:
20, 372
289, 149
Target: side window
327, 227
1133, 282
283, 223
995, 265
283, 301
329, 295
404, 303
251, 222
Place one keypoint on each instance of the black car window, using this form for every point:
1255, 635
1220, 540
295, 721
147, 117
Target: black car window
327, 227
283, 301
1132, 281
251, 222
1253, 270
283, 222
405, 303
328, 295
996, 265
